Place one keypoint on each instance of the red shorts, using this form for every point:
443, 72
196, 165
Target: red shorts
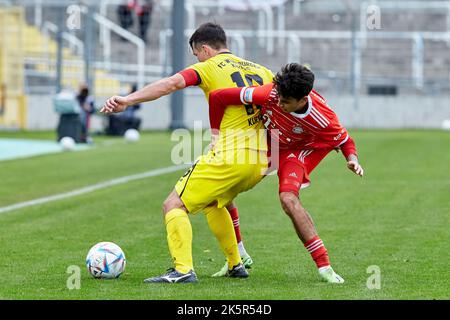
295, 166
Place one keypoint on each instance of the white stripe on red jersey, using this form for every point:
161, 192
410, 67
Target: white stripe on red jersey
317, 127
304, 154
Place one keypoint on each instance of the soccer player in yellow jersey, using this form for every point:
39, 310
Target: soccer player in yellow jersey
235, 164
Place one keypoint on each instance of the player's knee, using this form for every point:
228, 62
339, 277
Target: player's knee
231, 206
172, 202
167, 206
288, 201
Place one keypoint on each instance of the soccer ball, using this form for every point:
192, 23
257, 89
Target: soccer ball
105, 260
131, 135
67, 143
446, 125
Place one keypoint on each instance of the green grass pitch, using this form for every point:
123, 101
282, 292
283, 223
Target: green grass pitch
397, 218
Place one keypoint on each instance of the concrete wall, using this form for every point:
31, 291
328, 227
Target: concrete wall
40, 114
371, 112
402, 111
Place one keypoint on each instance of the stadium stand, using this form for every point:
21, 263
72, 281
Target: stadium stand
389, 56
409, 52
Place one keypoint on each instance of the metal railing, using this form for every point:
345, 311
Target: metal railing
421, 6
124, 72
140, 44
294, 41
265, 15
266, 34
74, 42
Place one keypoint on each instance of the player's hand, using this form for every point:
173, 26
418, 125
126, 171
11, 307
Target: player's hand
114, 104
214, 138
355, 167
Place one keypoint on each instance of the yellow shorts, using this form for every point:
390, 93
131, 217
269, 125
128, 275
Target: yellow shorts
220, 177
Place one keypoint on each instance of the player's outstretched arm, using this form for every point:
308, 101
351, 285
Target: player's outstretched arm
350, 154
218, 101
150, 92
353, 165
222, 98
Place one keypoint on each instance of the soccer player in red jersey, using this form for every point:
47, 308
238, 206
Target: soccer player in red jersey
305, 130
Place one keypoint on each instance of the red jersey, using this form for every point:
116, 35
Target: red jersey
318, 127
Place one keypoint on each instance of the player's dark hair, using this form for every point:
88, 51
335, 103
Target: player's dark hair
294, 81
211, 34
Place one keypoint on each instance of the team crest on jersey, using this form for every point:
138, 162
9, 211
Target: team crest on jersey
297, 129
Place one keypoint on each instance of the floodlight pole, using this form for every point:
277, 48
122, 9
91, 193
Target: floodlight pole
177, 98
88, 48
355, 75
59, 44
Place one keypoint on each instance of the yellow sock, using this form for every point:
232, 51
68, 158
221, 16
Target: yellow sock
179, 238
220, 223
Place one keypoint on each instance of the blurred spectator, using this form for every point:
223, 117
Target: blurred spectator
87, 108
124, 12
144, 10
66, 105
121, 122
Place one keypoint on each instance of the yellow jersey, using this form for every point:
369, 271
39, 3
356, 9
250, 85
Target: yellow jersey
241, 127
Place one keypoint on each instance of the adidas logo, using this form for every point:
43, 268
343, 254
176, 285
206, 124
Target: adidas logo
291, 156
293, 174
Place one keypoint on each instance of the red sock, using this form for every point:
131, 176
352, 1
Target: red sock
318, 252
235, 217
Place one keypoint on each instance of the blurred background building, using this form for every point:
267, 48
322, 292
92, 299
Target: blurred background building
380, 64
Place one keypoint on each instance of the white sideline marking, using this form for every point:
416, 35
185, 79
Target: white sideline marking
94, 187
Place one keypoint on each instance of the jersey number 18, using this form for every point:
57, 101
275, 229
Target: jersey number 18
237, 78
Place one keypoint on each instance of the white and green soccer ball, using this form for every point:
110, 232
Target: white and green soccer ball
105, 260
446, 125
131, 135
67, 143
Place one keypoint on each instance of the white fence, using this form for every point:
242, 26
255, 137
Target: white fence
380, 112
